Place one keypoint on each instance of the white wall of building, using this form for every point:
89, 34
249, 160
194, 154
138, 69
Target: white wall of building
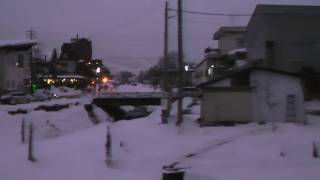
14, 72
199, 75
230, 42
270, 96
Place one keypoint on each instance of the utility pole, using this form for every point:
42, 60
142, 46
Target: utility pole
31, 34
166, 45
180, 65
165, 78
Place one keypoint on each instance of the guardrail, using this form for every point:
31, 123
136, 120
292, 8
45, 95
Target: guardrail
131, 95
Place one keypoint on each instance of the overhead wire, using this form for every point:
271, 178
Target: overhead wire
244, 14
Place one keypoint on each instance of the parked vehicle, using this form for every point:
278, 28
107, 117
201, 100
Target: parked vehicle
43, 95
15, 97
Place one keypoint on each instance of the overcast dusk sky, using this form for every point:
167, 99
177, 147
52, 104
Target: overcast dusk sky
123, 32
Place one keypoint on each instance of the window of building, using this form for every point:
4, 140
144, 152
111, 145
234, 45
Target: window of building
20, 62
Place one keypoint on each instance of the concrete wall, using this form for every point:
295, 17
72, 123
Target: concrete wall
230, 41
2, 72
266, 102
226, 106
221, 83
270, 96
295, 37
12, 76
200, 73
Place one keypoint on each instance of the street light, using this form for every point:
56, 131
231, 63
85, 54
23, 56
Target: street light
98, 70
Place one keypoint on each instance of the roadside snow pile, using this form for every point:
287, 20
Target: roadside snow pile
136, 88
65, 92
56, 123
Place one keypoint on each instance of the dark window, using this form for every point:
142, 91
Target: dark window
19, 62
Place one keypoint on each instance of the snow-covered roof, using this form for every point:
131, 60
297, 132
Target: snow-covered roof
243, 69
68, 76
212, 54
12, 43
71, 76
228, 29
234, 51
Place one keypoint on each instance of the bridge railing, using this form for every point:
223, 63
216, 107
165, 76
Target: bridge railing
131, 95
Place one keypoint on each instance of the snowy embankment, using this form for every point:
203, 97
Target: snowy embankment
136, 88
142, 146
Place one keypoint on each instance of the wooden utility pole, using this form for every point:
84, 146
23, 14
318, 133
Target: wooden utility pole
165, 53
165, 66
180, 64
31, 34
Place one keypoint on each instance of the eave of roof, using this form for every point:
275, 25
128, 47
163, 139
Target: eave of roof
16, 43
228, 29
243, 69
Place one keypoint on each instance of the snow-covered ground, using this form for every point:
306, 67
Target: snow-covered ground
136, 88
141, 147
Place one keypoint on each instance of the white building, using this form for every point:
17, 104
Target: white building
15, 64
230, 38
204, 70
253, 94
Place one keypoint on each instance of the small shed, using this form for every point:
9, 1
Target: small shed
250, 94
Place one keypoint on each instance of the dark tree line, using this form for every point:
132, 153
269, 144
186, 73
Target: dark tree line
155, 74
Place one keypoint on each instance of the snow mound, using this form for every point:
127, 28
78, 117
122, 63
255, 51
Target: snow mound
136, 88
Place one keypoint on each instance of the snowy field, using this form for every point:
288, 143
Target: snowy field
141, 147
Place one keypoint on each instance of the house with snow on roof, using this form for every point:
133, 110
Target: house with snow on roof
15, 70
252, 94
229, 55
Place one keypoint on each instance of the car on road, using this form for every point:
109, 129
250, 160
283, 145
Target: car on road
15, 97
43, 95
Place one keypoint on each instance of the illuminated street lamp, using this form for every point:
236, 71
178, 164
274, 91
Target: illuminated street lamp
98, 70
105, 80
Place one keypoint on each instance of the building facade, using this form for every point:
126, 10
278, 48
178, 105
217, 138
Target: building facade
230, 38
15, 70
252, 94
78, 48
285, 37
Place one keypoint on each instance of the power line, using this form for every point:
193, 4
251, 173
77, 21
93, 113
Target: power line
244, 15
211, 14
203, 22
